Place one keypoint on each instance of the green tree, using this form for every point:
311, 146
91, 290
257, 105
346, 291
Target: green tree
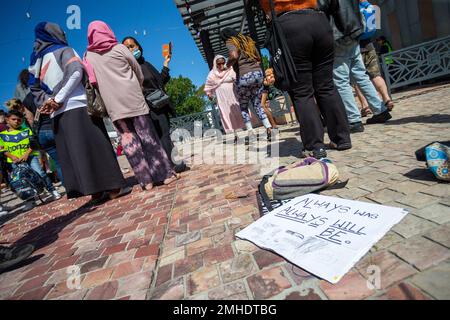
184, 95
208, 103
265, 62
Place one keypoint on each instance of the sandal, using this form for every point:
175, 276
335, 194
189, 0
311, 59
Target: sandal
173, 179
366, 112
390, 105
148, 187
98, 199
121, 193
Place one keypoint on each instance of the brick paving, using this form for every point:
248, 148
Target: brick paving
178, 242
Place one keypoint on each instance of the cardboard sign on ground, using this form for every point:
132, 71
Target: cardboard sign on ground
325, 236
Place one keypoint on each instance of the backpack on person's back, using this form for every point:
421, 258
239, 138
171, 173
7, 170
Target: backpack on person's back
369, 20
26, 183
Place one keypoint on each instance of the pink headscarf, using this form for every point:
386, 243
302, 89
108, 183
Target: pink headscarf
101, 39
216, 77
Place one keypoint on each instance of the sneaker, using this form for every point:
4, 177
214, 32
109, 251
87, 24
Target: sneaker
56, 195
29, 205
380, 118
319, 153
340, 147
12, 256
3, 212
356, 127
182, 167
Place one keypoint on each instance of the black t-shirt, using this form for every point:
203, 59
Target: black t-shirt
46, 121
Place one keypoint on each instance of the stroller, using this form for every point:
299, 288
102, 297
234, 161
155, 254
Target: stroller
26, 183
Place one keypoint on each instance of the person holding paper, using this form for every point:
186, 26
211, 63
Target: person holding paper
155, 80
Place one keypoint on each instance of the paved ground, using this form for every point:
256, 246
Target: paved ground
179, 242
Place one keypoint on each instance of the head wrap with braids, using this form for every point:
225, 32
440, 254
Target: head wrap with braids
243, 43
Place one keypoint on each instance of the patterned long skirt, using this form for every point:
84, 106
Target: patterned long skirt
144, 150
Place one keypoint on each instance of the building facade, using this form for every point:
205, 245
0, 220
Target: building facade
410, 22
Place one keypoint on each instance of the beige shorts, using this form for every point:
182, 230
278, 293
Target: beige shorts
371, 62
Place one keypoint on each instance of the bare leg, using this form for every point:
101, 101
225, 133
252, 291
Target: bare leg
363, 101
365, 110
381, 87
271, 118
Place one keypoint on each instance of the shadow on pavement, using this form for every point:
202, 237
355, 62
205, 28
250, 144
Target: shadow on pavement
421, 174
48, 233
433, 118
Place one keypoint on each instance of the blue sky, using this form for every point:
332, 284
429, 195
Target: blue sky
159, 18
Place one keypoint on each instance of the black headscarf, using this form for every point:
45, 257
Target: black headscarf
228, 33
141, 60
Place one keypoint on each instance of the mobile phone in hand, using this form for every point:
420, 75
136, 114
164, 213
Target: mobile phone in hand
167, 50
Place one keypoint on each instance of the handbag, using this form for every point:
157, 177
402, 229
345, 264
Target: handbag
157, 99
95, 105
34, 139
280, 55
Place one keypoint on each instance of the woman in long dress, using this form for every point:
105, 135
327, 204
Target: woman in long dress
221, 83
119, 77
86, 156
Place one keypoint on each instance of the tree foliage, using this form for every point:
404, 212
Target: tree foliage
185, 96
265, 62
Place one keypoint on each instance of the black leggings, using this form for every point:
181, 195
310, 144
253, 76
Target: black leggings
315, 94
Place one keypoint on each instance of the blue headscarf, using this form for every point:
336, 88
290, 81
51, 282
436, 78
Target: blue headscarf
48, 38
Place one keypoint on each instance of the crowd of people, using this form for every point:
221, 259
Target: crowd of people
51, 104
334, 56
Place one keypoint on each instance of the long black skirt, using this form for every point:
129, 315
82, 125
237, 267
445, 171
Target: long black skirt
86, 156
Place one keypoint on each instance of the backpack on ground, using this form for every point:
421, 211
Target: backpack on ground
298, 179
26, 183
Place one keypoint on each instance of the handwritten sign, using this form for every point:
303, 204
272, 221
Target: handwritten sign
325, 236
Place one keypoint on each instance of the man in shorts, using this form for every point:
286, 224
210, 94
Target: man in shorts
371, 62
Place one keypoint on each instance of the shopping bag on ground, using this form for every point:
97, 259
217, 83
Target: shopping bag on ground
438, 160
298, 179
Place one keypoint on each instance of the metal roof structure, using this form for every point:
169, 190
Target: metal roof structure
215, 15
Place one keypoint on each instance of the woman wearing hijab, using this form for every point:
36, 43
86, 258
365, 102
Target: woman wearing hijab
86, 156
119, 77
246, 60
221, 83
154, 80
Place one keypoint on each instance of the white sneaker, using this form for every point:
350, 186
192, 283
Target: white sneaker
3, 212
56, 195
